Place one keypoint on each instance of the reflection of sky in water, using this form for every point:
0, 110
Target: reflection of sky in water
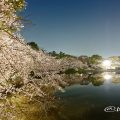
87, 98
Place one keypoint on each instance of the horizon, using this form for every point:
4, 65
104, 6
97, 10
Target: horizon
76, 27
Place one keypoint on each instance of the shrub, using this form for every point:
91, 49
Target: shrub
33, 45
17, 82
70, 71
94, 59
80, 70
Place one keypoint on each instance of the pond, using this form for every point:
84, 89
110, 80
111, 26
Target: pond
89, 99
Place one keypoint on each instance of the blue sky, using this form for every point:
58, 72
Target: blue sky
77, 27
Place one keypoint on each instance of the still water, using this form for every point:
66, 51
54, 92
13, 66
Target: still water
87, 99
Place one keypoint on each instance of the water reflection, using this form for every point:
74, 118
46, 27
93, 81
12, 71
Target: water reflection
107, 76
87, 99
99, 79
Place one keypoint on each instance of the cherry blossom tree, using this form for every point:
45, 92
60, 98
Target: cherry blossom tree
21, 88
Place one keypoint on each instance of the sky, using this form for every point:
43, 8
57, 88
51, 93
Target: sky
76, 27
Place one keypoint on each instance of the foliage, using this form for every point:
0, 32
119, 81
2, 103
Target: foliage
19, 107
94, 59
33, 45
81, 70
17, 4
17, 82
70, 71
60, 55
9, 20
53, 53
96, 81
73, 71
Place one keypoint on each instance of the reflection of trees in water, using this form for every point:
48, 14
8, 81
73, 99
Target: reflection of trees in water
96, 80
116, 78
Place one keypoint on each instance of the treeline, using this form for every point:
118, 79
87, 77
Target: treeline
94, 59
60, 55
33, 45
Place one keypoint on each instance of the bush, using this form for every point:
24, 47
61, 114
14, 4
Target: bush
70, 71
96, 81
33, 45
94, 59
17, 82
80, 70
